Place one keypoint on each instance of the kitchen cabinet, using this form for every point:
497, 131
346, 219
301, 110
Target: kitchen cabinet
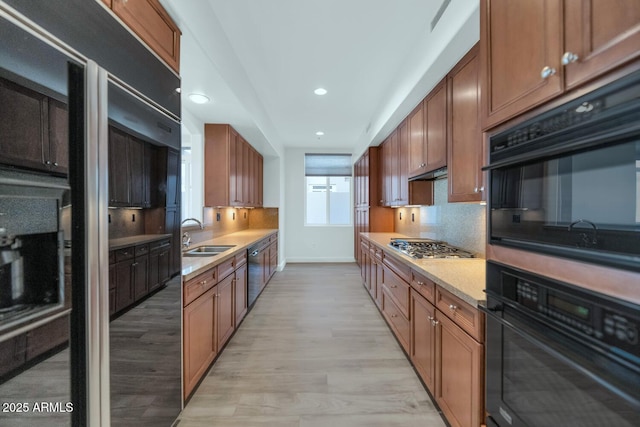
215, 302
34, 132
427, 130
159, 263
131, 274
199, 326
151, 22
240, 292
459, 374
369, 214
464, 136
231, 169
442, 335
133, 171
225, 319
564, 44
135, 271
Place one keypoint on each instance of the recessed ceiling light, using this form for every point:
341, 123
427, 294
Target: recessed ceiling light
199, 98
320, 91
319, 133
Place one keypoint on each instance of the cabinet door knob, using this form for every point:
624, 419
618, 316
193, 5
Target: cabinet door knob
420, 283
452, 307
431, 318
547, 72
434, 322
569, 57
47, 162
55, 163
481, 189
475, 189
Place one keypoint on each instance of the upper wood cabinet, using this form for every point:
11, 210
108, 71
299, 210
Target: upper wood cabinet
151, 22
233, 169
427, 133
559, 46
34, 131
464, 137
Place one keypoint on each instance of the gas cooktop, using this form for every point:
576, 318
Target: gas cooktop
427, 248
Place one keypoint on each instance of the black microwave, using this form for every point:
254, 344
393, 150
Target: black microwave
567, 182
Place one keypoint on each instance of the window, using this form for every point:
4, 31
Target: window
327, 189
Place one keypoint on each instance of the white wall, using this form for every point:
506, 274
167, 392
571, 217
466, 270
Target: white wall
309, 243
192, 136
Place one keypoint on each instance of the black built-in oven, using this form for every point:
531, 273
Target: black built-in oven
559, 355
567, 182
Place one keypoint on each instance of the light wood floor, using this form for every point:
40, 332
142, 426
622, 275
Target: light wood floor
313, 352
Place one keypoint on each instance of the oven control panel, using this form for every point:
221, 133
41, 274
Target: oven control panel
603, 319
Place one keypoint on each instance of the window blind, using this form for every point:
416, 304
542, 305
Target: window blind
327, 165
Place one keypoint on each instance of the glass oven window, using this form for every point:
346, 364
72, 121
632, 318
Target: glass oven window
587, 200
542, 390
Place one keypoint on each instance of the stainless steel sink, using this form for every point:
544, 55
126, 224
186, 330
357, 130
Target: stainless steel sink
208, 250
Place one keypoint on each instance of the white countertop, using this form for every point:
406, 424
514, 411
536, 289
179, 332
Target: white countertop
192, 266
465, 277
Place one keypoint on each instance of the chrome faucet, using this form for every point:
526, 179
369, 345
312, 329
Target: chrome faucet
186, 238
193, 219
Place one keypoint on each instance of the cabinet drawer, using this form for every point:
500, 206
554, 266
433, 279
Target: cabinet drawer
142, 250
398, 267
379, 254
124, 253
397, 288
161, 244
424, 286
364, 244
199, 285
464, 315
241, 259
399, 323
225, 268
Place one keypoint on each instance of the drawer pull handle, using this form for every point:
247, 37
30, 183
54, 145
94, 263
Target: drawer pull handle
204, 282
420, 283
394, 286
394, 315
452, 307
434, 323
431, 318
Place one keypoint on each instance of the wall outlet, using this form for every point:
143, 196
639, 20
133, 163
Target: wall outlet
133, 217
245, 215
217, 216
413, 217
233, 216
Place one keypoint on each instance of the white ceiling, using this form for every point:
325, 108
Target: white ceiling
260, 61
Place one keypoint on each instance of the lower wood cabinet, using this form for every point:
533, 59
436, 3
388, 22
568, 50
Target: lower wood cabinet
240, 293
225, 319
423, 339
215, 302
200, 339
459, 374
442, 334
135, 271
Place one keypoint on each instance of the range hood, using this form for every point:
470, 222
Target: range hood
431, 176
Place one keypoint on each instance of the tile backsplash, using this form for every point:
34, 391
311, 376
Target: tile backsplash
460, 224
233, 220
126, 222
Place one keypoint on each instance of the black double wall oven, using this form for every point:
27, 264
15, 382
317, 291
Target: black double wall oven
565, 184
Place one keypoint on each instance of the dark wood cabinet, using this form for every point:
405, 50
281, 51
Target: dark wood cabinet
124, 291
135, 271
138, 174
233, 169
464, 137
34, 133
563, 44
159, 264
172, 226
134, 172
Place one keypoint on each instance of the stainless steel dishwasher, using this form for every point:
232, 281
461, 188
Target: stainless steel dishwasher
258, 263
